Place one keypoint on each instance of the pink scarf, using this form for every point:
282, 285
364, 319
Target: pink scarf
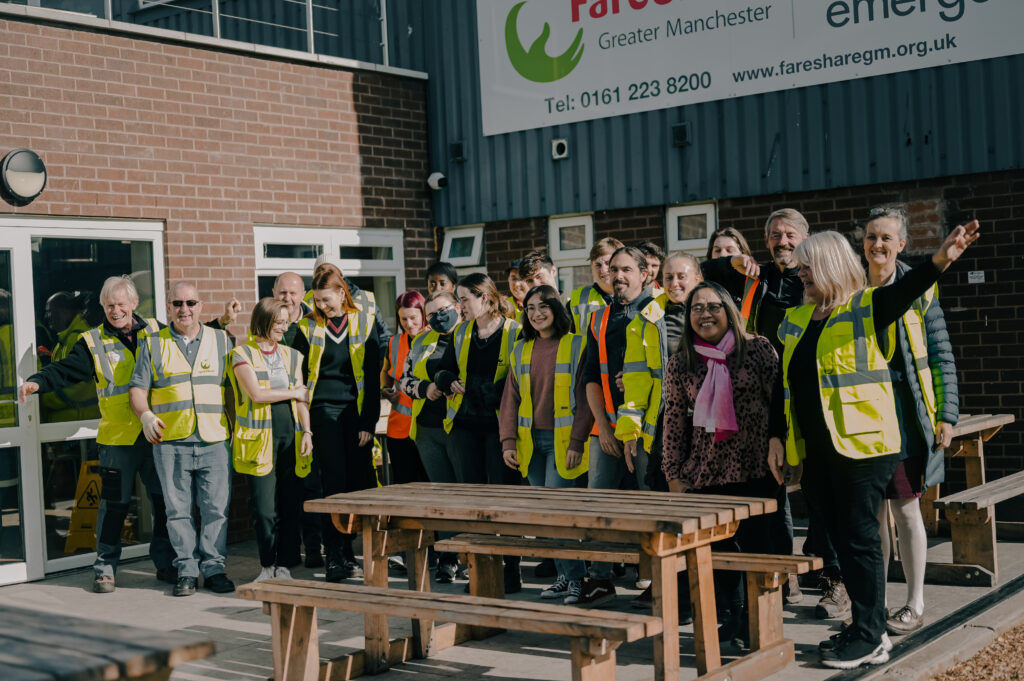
714, 410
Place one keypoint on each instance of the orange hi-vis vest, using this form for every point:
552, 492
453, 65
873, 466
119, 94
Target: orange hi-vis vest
599, 327
400, 418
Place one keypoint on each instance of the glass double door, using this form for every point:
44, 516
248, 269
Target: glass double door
51, 274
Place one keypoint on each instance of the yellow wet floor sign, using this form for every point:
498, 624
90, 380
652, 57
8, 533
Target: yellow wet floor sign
82, 533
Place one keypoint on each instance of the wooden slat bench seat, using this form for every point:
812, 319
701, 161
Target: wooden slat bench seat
766, 573
594, 634
971, 516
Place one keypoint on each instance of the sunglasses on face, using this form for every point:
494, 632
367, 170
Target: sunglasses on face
179, 303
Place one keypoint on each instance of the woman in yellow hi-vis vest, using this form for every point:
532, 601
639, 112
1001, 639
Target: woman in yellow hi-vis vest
473, 372
927, 403
544, 433
342, 370
840, 417
272, 441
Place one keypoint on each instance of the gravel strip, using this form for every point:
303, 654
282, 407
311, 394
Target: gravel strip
1001, 660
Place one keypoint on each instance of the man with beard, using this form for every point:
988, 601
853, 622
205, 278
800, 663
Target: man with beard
604, 359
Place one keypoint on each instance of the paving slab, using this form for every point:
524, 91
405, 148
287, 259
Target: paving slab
242, 632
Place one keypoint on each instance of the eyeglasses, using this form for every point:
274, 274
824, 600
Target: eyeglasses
179, 303
713, 308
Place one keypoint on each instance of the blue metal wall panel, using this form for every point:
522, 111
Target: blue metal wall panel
952, 120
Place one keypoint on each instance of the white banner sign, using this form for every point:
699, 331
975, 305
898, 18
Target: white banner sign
546, 62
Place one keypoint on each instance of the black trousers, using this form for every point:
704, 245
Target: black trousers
406, 465
754, 535
275, 500
344, 465
849, 493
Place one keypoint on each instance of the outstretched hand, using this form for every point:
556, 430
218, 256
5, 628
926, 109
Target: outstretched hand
955, 244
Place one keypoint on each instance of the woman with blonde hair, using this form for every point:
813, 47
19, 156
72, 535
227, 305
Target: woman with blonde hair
342, 369
840, 417
272, 440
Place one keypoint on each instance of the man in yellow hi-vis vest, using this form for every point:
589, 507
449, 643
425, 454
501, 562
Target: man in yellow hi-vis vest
178, 393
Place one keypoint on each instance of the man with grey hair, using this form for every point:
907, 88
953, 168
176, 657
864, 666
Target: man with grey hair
178, 392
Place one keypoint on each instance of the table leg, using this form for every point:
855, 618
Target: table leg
928, 510
705, 617
487, 579
665, 605
419, 580
375, 573
974, 462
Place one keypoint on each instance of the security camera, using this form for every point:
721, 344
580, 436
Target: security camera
437, 180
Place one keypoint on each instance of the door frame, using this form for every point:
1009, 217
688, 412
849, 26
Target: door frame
16, 233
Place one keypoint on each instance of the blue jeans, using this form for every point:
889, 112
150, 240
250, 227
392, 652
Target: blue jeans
196, 473
119, 465
610, 472
544, 473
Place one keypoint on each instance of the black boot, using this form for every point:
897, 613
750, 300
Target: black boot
336, 570
353, 570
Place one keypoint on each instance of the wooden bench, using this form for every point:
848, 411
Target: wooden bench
766, 573
971, 516
293, 602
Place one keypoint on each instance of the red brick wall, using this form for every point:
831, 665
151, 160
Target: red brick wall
986, 321
213, 142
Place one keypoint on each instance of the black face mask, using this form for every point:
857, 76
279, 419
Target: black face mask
445, 320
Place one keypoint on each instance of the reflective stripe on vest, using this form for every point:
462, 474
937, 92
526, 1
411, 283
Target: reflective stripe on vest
422, 348
750, 287
599, 327
252, 446
642, 377
567, 361
114, 363
854, 383
463, 332
189, 398
360, 324
400, 418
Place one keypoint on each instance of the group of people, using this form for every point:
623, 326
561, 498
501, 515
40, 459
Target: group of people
665, 373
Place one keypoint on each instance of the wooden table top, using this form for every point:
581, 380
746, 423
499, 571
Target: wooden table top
622, 510
38, 646
975, 423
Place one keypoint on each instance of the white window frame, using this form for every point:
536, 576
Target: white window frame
697, 247
475, 258
573, 257
330, 239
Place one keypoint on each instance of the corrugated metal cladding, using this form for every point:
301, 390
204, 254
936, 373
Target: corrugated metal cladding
342, 28
951, 120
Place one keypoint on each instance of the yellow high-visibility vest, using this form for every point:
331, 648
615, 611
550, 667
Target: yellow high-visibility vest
8, 380
252, 446
913, 322
74, 402
853, 380
190, 398
114, 364
463, 334
641, 377
567, 362
360, 324
422, 348
583, 302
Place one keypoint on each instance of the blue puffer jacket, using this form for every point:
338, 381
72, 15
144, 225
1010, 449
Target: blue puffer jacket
943, 369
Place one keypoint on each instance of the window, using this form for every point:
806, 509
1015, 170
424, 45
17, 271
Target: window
689, 227
570, 239
369, 258
463, 247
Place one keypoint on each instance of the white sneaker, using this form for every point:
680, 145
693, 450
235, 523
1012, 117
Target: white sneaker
642, 584
282, 573
265, 573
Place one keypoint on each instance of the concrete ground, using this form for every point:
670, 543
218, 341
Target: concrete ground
242, 632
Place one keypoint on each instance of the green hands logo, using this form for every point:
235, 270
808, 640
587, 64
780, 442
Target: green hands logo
535, 64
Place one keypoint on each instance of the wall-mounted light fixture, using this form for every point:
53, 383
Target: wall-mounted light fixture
22, 177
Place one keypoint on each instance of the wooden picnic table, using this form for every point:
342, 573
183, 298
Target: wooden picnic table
969, 438
664, 526
39, 646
